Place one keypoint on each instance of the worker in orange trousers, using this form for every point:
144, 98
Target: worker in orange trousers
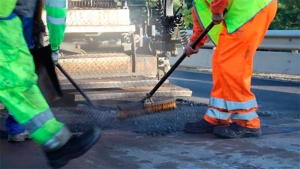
237, 34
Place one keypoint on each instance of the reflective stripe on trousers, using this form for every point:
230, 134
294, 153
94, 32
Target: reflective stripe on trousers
214, 113
19, 91
231, 105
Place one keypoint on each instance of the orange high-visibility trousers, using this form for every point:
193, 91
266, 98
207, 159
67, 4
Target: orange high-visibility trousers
231, 99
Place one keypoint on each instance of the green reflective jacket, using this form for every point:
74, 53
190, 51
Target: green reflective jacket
56, 18
7, 7
56, 21
238, 13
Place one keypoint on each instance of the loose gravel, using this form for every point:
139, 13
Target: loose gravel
80, 119
158, 123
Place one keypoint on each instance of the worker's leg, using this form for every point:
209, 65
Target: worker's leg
19, 92
21, 96
216, 113
27, 29
12, 126
16, 132
235, 57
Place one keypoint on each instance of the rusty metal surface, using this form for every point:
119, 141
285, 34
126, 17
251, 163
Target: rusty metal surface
97, 66
117, 82
146, 65
135, 93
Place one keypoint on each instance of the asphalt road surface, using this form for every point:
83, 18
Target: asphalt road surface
157, 141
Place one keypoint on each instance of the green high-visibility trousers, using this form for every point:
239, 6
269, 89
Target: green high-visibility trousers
19, 91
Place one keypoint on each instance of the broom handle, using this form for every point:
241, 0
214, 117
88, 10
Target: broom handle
165, 77
75, 85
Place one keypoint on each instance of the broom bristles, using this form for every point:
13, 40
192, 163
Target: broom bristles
147, 109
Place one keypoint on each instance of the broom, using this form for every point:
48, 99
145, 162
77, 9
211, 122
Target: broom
75, 85
148, 105
45, 66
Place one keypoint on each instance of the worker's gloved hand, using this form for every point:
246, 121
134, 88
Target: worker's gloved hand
217, 18
188, 50
54, 55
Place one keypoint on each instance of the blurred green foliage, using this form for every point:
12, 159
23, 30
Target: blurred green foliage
287, 17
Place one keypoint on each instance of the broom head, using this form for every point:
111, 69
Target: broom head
146, 106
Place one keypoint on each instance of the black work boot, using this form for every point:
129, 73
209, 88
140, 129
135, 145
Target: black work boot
75, 147
236, 131
201, 126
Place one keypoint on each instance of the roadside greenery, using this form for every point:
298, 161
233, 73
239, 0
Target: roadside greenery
287, 17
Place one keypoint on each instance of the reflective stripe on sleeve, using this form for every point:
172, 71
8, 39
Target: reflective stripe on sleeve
55, 3
56, 21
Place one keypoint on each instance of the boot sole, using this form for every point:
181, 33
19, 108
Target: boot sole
199, 131
12, 140
247, 134
64, 160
